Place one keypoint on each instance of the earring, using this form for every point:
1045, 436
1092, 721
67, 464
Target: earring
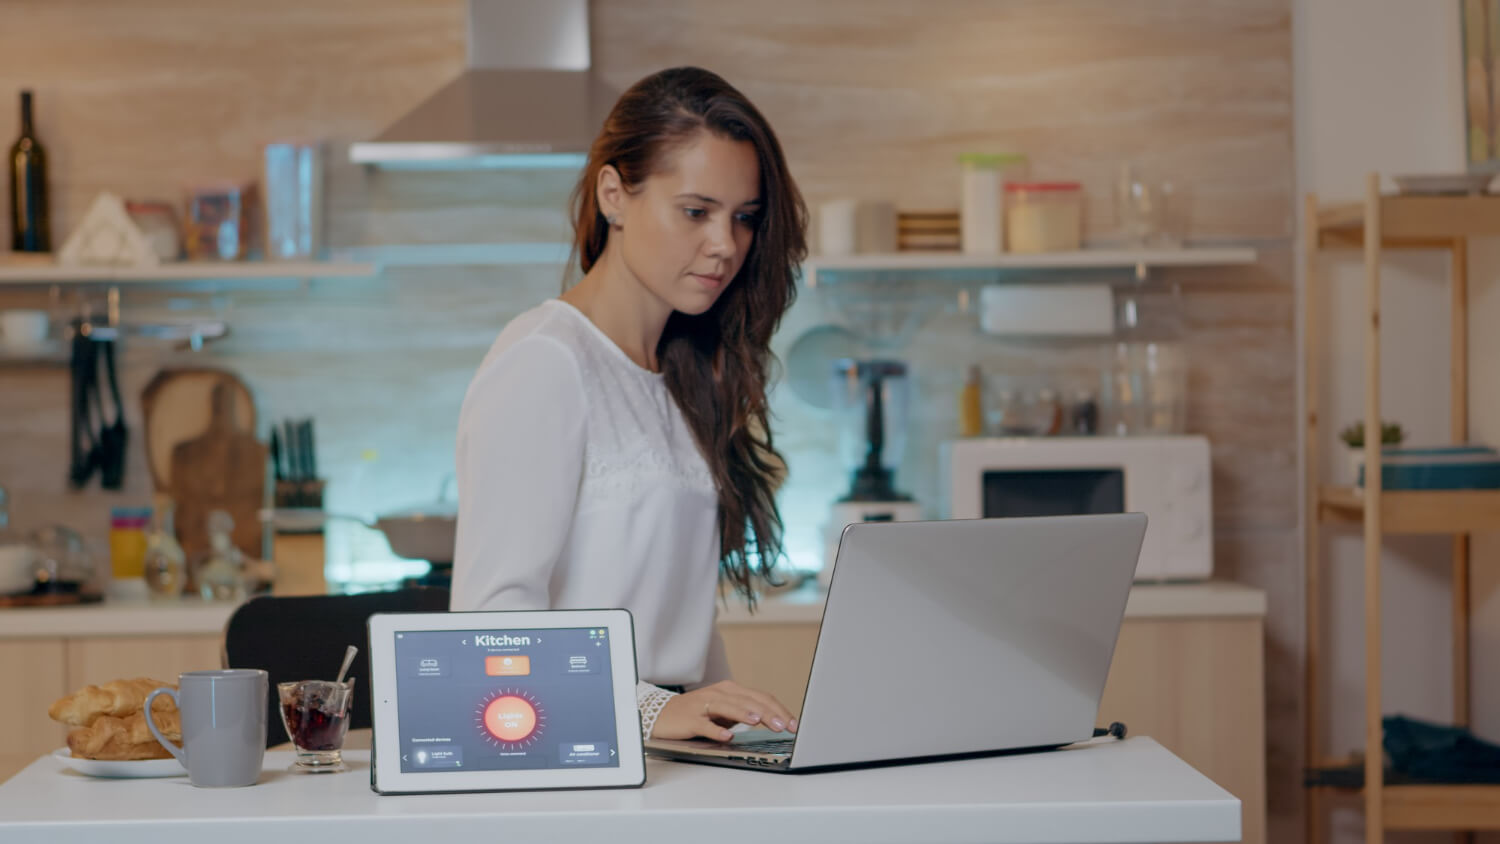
613, 220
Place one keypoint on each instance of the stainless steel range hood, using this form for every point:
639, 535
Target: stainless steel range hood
526, 99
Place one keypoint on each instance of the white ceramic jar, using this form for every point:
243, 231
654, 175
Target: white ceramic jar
982, 210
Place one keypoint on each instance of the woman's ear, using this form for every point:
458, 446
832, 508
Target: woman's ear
610, 193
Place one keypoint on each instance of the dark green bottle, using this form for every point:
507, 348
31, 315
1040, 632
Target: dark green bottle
29, 231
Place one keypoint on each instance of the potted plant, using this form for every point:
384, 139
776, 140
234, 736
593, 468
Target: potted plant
1353, 437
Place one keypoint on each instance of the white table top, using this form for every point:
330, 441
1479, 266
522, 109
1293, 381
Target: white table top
1100, 791
1214, 598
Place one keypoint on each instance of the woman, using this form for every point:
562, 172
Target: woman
613, 448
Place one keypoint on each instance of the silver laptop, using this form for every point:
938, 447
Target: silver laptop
953, 638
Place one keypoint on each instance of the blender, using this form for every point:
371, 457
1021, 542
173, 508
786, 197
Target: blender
870, 397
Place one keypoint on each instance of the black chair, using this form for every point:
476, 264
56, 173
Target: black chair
304, 637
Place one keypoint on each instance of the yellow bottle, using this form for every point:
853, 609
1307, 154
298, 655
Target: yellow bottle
970, 406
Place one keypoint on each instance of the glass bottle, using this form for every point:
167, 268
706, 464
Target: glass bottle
970, 406
221, 575
29, 230
1085, 414
1048, 414
1014, 420
165, 564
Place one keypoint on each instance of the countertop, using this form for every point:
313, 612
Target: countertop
1099, 791
126, 617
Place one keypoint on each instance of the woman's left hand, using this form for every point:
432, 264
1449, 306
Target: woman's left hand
708, 711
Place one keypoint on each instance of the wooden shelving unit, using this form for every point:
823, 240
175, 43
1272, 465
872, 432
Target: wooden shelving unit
1443, 807
1380, 223
1405, 512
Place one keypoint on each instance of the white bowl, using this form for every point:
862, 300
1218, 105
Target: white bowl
17, 568
22, 330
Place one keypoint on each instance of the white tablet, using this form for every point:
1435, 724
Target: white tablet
502, 701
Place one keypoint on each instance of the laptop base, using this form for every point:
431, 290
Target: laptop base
727, 756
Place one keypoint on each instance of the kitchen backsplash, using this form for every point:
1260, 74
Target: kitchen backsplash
1192, 90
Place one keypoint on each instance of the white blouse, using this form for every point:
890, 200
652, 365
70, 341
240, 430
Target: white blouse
580, 486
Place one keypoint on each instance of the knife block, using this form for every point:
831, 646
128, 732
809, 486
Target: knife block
300, 494
299, 559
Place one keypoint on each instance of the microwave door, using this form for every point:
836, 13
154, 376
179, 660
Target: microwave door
1053, 492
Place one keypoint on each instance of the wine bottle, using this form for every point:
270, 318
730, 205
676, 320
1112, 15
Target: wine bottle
29, 231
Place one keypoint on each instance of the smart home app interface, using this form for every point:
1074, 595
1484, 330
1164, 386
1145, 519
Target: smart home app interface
503, 700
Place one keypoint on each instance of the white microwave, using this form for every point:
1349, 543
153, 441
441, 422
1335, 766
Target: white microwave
1166, 477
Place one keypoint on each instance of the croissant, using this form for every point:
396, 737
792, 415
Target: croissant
116, 698
128, 738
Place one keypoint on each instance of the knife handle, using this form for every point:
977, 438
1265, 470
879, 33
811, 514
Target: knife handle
276, 456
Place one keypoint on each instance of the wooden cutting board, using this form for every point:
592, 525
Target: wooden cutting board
223, 468
176, 407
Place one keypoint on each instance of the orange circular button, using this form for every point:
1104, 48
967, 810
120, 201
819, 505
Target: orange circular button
510, 718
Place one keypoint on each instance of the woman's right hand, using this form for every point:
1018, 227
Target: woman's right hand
708, 711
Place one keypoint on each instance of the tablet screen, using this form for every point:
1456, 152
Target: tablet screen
503, 700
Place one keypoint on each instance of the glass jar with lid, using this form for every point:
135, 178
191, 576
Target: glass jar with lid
1043, 217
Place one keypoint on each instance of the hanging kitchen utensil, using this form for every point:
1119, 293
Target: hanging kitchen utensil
113, 436
82, 373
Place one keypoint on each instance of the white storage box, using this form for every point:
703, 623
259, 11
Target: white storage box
1048, 309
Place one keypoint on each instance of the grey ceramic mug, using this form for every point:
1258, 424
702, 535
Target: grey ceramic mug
223, 725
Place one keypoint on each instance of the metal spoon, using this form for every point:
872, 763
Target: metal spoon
348, 659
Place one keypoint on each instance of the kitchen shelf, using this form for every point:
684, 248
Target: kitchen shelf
1416, 511
1448, 807
1434, 806
1137, 259
37, 272
1417, 218
54, 353
1378, 223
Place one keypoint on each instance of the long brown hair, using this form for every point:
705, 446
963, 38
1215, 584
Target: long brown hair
716, 364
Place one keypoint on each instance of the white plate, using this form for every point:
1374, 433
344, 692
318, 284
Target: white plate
121, 769
1444, 183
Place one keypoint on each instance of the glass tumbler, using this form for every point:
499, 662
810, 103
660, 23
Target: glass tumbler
316, 716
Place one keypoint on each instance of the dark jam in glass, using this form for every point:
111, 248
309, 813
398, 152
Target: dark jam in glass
313, 722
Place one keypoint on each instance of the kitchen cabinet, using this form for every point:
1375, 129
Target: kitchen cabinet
35, 675
97, 659
53, 667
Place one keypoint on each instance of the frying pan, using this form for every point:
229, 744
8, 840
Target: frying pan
423, 532
419, 532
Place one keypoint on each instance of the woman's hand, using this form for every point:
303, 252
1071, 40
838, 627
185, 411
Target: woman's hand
708, 711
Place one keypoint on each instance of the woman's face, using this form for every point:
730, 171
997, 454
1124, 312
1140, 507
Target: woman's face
687, 228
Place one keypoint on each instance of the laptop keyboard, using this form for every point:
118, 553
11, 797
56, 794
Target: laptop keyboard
769, 746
